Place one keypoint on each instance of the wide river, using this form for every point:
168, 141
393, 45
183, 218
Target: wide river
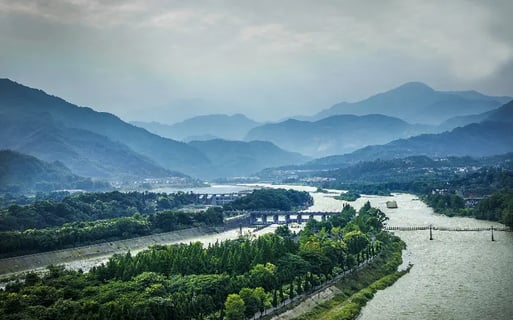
457, 275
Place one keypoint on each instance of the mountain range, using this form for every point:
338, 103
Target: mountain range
238, 158
336, 134
206, 127
416, 102
101, 145
492, 136
24, 173
90, 143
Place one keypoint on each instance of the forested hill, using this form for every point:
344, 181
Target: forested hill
20, 173
92, 143
492, 136
239, 158
336, 134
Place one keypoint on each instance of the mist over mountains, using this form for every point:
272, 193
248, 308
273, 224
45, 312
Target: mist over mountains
335, 134
22, 173
416, 102
206, 127
100, 145
492, 136
410, 120
238, 158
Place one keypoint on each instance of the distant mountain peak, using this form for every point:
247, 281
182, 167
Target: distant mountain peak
411, 89
416, 102
415, 85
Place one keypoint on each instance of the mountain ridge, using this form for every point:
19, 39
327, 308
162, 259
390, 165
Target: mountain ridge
335, 134
24, 173
492, 136
222, 126
243, 158
416, 102
171, 155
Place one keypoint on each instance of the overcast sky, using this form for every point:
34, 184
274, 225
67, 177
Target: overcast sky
169, 60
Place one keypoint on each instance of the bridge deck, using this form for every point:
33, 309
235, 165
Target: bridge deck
435, 228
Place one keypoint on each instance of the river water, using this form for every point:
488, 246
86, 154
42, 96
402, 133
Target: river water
458, 275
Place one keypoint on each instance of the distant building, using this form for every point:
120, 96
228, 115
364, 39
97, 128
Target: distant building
472, 202
392, 204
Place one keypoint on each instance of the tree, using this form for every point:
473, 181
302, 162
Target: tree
283, 231
263, 275
234, 307
356, 241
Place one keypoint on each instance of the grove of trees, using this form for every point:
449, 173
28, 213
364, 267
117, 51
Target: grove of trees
232, 279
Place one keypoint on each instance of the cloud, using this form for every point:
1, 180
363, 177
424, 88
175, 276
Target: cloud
290, 56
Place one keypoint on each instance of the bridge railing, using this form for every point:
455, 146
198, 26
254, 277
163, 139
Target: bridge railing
436, 228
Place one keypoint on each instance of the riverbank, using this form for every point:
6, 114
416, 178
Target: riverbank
346, 297
86, 257
457, 275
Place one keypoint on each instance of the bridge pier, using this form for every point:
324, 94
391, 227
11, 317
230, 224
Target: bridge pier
299, 219
492, 235
430, 232
264, 219
287, 218
275, 219
323, 217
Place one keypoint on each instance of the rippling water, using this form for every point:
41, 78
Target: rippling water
458, 275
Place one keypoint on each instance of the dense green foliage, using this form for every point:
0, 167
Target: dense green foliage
63, 220
348, 196
82, 207
82, 233
490, 183
497, 207
449, 204
190, 281
356, 290
416, 174
272, 199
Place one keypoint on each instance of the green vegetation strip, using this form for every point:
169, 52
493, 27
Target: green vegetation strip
348, 196
357, 289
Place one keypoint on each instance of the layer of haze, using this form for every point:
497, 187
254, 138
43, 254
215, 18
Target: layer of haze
169, 60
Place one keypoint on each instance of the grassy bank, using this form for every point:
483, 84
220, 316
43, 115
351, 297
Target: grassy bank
357, 289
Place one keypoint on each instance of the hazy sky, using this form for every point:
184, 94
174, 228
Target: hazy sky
168, 60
